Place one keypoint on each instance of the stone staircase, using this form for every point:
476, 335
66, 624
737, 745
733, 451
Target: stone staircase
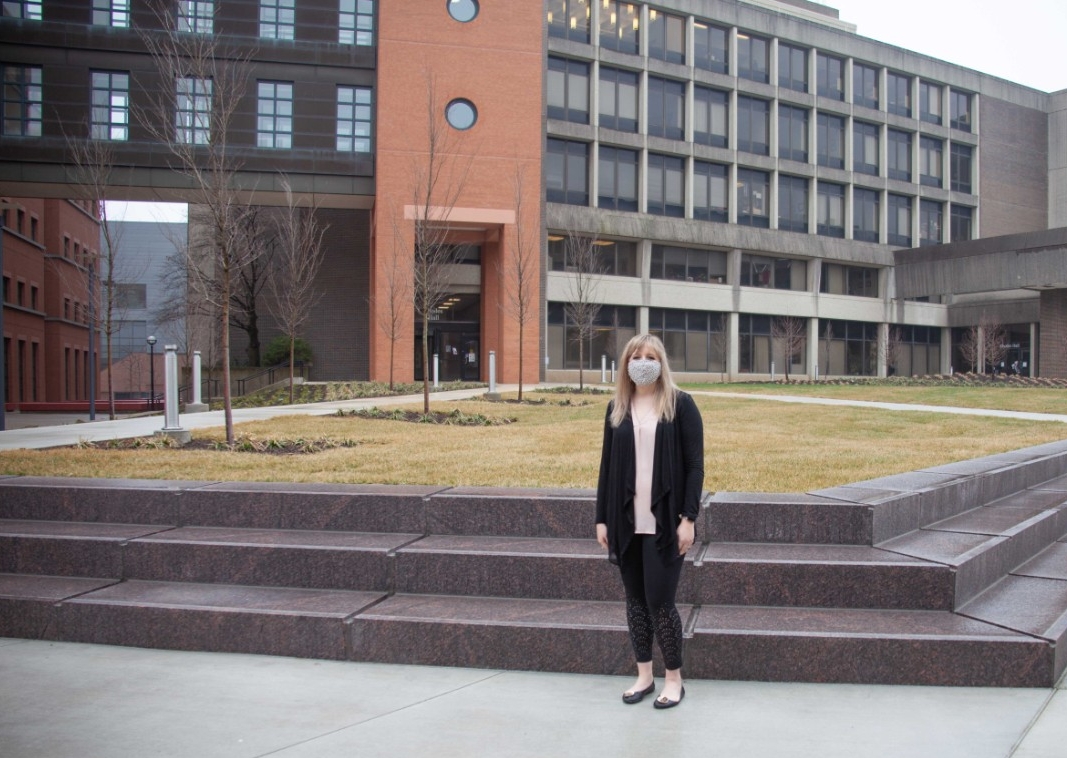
955, 575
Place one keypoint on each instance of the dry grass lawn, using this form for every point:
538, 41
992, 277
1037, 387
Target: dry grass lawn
750, 445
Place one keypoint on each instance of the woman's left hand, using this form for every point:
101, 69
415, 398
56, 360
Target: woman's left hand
686, 535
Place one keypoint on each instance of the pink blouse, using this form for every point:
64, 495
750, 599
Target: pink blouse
644, 455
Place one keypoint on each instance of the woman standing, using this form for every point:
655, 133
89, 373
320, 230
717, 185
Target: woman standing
648, 498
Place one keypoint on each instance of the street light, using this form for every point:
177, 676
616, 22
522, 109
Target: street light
152, 373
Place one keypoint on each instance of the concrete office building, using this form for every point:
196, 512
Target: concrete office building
736, 162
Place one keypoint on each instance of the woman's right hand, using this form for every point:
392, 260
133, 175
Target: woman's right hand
602, 535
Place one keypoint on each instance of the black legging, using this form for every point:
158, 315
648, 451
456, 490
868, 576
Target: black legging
651, 585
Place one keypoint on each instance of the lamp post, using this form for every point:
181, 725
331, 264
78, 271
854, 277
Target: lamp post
152, 373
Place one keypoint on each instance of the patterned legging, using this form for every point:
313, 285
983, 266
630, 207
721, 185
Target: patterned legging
650, 610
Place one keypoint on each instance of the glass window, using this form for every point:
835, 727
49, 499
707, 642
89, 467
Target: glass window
753, 188
684, 264
354, 119
568, 90
830, 209
711, 47
899, 218
620, 26
666, 108
131, 296
773, 273
193, 110
931, 155
899, 155
865, 214
830, 72
930, 222
865, 148
793, 133
196, 16
567, 172
613, 257
617, 185
753, 125
831, 140
355, 22
277, 19
568, 19
857, 281
618, 99
754, 344
463, 10
129, 337
961, 223
710, 198
961, 110
274, 116
848, 348
960, 167
114, 13
710, 116
666, 36
30, 9
695, 340
614, 325
792, 67
666, 185
21, 101
930, 102
792, 203
110, 110
898, 95
752, 57
865, 85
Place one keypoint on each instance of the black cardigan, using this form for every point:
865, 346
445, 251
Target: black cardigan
677, 477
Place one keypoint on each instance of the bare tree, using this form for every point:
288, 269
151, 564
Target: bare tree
994, 342
894, 346
790, 335
521, 273
298, 258
720, 342
252, 280
581, 260
970, 347
393, 290
191, 115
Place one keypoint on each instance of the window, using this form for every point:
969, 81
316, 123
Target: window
792, 67
666, 185
274, 117
617, 187
685, 264
666, 36
618, 99
857, 281
864, 85
753, 125
753, 189
114, 13
568, 19
899, 221
931, 155
793, 133
196, 16
830, 209
899, 155
25, 9
754, 344
666, 108
620, 26
613, 325
567, 172
568, 90
773, 273
710, 198
613, 257
354, 119
792, 203
830, 73
131, 296
695, 340
930, 222
711, 47
898, 95
851, 347
831, 140
865, 210
865, 148
355, 22
960, 162
130, 337
929, 102
463, 10
22, 101
961, 110
752, 58
961, 223
277, 19
193, 105
918, 350
110, 111
710, 116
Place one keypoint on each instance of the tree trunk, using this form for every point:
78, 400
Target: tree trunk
425, 363
227, 393
520, 360
292, 360
252, 352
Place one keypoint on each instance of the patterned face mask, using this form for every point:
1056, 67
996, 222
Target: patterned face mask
643, 372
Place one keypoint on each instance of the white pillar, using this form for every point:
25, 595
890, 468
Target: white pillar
170, 374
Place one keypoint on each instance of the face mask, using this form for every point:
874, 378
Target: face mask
643, 372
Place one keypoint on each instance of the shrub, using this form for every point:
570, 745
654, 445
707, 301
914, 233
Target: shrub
277, 351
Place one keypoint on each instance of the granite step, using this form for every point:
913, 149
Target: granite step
29, 604
67, 548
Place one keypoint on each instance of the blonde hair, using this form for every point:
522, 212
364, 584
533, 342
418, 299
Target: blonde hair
666, 389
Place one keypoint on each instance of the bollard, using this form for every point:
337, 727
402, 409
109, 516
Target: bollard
772, 371
436, 370
613, 372
492, 372
171, 428
196, 404
603, 369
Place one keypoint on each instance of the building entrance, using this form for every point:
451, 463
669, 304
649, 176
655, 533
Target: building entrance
455, 337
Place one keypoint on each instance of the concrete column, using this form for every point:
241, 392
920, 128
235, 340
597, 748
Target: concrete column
734, 349
814, 369
946, 350
196, 405
171, 427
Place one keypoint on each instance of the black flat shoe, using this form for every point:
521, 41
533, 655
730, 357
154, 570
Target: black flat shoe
636, 697
662, 702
